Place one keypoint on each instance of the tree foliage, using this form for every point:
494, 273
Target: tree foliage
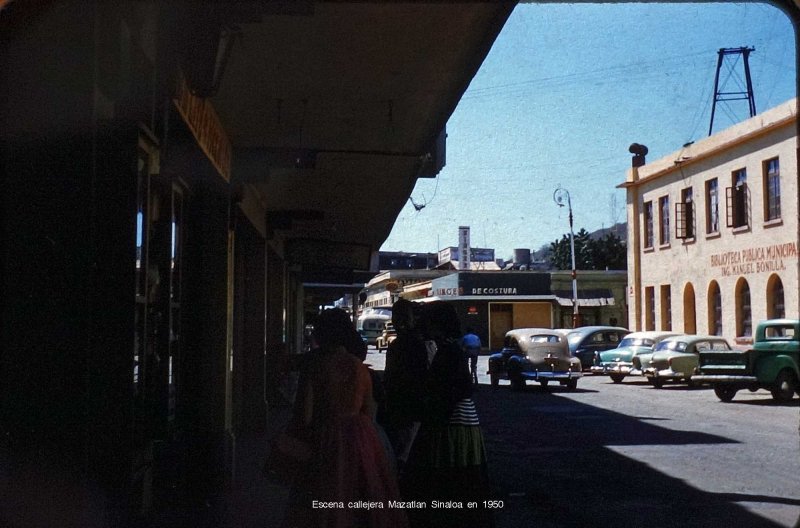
606, 252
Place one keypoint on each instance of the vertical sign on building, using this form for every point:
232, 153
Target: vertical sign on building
463, 247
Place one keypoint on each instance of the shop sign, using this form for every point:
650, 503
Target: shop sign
494, 291
202, 120
758, 259
446, 292
463, 248
503, 283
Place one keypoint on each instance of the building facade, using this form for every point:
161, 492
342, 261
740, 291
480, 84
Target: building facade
713, 231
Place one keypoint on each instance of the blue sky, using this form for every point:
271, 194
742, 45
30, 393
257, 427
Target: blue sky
564, 91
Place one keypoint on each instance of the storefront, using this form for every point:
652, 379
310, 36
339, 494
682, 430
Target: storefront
492, 303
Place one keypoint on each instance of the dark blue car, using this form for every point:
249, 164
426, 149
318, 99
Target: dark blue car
586, 340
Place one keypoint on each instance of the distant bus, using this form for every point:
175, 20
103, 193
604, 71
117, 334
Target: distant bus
371, 322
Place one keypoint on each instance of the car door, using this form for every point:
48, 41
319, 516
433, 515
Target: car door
597, 342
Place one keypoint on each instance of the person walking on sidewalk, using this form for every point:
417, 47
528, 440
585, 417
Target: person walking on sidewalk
471, 345
334, 414
403, 378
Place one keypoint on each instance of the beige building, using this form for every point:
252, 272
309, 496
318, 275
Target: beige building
713, 231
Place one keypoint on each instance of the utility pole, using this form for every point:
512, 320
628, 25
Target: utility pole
724, 53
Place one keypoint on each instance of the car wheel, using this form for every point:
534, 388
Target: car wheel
517, 383
725, 392
658, 383
785, 386
494, 379
572, 384
544, 383
617, 378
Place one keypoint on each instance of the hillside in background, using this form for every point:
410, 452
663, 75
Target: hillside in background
542, 255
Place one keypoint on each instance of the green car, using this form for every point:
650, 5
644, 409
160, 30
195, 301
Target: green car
771, 363
618, 362
676, 358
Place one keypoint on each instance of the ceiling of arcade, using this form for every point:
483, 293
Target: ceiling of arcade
334, 110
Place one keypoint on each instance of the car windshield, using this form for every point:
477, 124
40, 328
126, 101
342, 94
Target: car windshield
636, 341
677, 346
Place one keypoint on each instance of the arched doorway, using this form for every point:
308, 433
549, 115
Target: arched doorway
775, 303
714, 309
744, 312
689, 310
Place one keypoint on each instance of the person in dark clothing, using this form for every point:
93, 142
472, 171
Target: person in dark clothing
403, 379
448, 459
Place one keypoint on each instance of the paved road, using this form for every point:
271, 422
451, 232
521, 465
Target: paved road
629, 455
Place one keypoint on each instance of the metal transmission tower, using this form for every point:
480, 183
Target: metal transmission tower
724, 53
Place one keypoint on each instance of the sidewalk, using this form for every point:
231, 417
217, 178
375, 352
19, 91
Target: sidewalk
253, 501
250, 499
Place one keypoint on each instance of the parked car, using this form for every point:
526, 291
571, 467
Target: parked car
538, 354
771, 363
618, 362
388, 335
586, 342
676, 358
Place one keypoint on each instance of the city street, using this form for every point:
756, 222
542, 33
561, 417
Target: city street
618, 455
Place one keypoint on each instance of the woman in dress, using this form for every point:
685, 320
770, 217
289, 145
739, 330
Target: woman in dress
448, 460
349, 468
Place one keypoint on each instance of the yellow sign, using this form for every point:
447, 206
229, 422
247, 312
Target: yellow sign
202, 120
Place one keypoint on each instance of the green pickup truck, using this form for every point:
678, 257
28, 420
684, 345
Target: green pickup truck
771, 363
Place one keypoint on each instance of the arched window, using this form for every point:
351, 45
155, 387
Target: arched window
714, 309
744, 313
689, 310
775, 305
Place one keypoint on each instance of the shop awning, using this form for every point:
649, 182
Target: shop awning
586, 298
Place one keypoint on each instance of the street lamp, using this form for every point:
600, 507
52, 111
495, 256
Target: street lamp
560, 196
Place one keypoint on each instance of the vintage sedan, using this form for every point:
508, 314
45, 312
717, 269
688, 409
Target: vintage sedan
586, 342
537, 354
676, 358
618, 362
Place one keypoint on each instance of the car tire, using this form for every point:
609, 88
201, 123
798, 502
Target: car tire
572, 384
725, 392
658, 383
494, 380
785, 386
544, 383
617, 378
517, 383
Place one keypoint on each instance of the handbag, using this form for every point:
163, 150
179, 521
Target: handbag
287, 458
